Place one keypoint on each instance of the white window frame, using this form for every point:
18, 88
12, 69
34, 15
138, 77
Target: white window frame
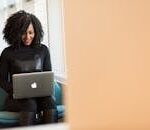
57, 38
53, 30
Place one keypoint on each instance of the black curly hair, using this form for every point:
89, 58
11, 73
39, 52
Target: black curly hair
17, 24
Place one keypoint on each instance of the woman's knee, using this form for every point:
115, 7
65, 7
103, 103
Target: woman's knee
29, 105
45, 103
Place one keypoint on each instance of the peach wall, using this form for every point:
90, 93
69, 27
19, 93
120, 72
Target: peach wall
108, 63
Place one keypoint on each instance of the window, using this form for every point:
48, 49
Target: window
50, 14
56, 37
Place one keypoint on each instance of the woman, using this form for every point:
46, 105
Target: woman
23, 32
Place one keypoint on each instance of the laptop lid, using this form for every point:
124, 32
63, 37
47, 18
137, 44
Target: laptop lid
35, 84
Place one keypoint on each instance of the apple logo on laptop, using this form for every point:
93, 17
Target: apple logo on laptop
34, 85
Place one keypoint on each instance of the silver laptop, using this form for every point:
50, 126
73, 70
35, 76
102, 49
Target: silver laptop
35, 84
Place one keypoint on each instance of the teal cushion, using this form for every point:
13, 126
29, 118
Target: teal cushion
60, 108
3, 96
9, 117
58, 97
7, 122
57, 93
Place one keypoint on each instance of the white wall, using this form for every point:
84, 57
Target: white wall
2, 42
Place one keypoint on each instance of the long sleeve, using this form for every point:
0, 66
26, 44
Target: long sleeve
23, 60
4, 73
47, 61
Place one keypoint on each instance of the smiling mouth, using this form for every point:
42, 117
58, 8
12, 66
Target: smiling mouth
27, 43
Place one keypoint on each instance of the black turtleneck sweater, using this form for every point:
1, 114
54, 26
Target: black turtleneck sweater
22, 60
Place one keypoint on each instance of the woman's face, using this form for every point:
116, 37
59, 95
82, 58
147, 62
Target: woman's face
28, 36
